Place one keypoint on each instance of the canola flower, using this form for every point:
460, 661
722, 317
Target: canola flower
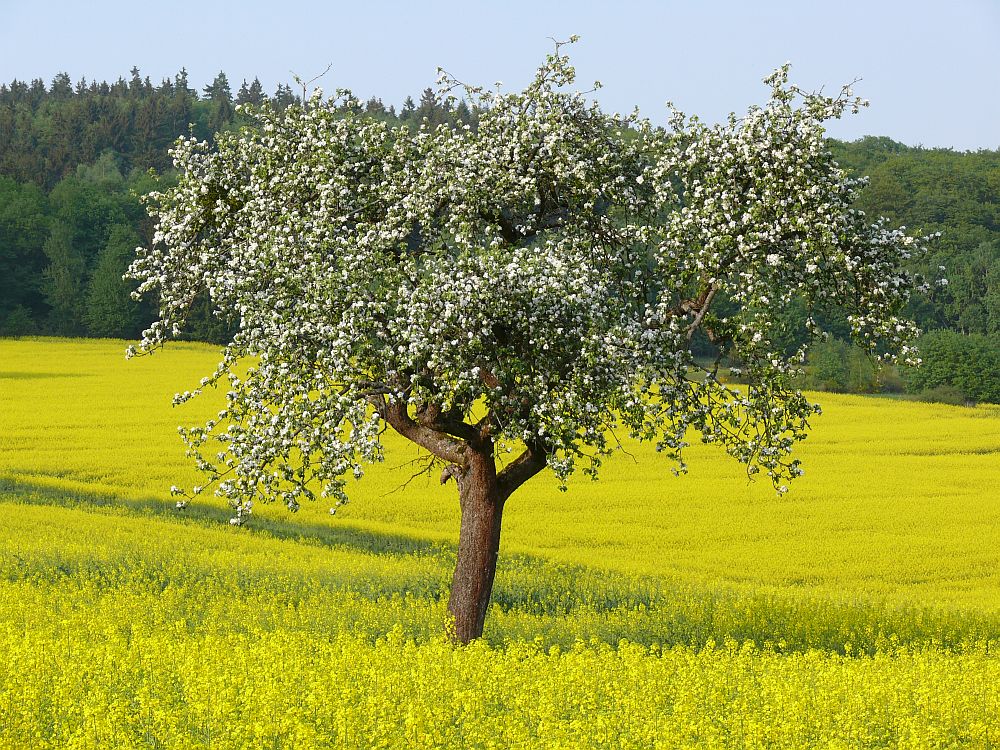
848, 614
895, 501
136, 632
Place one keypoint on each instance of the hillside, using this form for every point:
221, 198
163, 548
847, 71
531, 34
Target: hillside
642, 610
75, 159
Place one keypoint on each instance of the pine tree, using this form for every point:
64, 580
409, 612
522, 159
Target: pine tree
62, 87
181, 105
257, 95
464, 115
408, 109
243, 95
221, 98
22, 234
252, 93
135, 84
428, 109
218, 90
283, 97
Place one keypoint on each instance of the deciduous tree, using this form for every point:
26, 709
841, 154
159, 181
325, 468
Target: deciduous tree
509, 298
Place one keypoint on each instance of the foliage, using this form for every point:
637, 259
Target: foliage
94, 129
838, 366
549, 267
91, 146
966, 364
64, 280
18, 322
944, 394
954, 194
49, 131
22, 234
110, 309
939, 190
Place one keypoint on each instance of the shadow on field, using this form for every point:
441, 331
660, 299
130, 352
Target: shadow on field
372, 542
14, 375
564, 603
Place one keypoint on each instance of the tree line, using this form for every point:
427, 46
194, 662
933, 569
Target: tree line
46, 132
74, 159
957, 196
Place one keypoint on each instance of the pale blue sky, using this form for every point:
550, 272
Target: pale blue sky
930, 69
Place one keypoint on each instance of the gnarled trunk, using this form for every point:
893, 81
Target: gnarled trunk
468, 450
478, 545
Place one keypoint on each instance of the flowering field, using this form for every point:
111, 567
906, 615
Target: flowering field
860, 610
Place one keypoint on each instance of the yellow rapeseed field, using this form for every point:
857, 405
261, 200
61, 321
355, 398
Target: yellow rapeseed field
860, 610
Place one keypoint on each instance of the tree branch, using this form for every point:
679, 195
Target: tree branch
507, 229
437, 442
432, 417
521, 469
700, 308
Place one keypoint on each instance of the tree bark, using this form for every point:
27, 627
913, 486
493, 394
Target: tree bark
482, 492
478, 544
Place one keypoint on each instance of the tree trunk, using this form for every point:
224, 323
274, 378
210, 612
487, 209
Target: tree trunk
478, 545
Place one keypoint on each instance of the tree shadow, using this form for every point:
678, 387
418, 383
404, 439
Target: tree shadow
19, 375
352, 537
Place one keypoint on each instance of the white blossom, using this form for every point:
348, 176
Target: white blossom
538, 279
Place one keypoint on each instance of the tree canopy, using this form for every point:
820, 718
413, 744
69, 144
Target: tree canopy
529, 287
109, 134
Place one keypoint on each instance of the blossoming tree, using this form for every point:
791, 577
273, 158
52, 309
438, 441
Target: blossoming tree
509, 297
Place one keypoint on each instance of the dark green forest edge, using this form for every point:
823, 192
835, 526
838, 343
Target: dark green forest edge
74, 160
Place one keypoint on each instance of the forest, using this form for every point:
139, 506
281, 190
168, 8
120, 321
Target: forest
75, 159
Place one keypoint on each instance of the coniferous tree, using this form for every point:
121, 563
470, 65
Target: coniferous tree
243, 95
110, 310
181, 106
464, 115
252, 93
22, 234
408, 110
64, 281
428, 108
62, 87
36, 93
283, 97
221, 98
219, 90
135, 86
257, 95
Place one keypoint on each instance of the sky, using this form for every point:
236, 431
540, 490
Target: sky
930, 69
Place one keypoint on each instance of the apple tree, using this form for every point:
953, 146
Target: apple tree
510, 296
